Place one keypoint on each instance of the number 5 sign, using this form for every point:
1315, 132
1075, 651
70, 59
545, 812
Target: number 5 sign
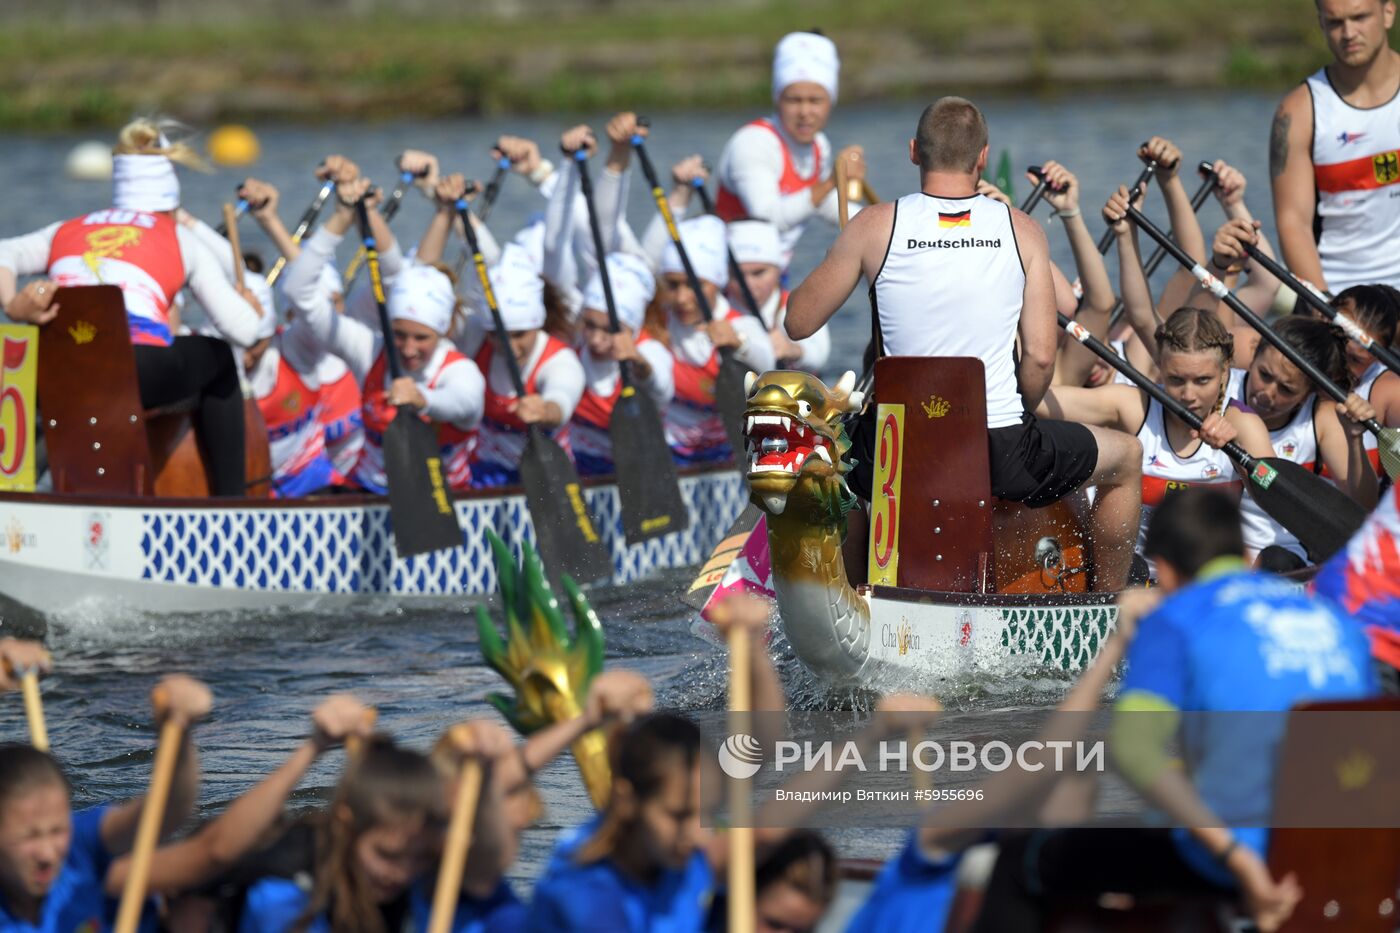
19, 360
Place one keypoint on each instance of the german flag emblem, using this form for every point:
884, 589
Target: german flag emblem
960, 219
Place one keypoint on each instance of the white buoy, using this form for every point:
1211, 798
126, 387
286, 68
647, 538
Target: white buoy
90, 161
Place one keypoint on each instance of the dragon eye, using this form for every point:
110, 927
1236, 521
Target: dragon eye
803, 408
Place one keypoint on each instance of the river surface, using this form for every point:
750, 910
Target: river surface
421, 667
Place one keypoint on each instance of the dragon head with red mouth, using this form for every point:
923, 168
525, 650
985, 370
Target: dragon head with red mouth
793, 427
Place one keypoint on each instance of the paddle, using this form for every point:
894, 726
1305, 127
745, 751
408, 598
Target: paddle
741, 854
567, 539
1038, 192
1388, 439
1003, 176
1149, 169
308, 217
239, 209
389, 210
843, 195
1309, 294
148, 829
734, 269
730, 395
454, 850
493, 188
1321, 516
647, 486
420, 505
34, 709
231, 224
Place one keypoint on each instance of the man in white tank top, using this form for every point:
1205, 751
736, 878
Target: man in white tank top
1334, 154
954, 273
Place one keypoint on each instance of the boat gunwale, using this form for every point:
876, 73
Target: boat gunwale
904, 594
330, 501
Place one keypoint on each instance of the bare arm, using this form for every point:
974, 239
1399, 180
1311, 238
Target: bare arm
1038, 330
829, 285
1291, 171
1344, 450
1110, 406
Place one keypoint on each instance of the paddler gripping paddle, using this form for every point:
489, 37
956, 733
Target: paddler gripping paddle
389, 210
647, 485
729, 384
420, 505
1388, 439
1319, 514
734, 269
568, 539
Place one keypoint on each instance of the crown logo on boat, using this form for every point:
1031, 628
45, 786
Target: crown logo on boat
936, 406
82, 332
1355, 771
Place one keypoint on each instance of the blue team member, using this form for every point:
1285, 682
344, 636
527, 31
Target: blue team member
1215, 638
54, 862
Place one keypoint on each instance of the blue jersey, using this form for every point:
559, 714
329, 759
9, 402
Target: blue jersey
75, 902
913, 893
272, 905
599, 897
1241, 642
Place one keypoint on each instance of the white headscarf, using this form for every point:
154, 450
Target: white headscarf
632, 286
267, 324
423, 295
144, 183
519, 290
755, 241
806, 56
705, 243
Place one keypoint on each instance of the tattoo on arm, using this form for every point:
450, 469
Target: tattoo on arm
1278, 144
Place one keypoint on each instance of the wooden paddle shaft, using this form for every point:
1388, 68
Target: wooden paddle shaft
454, 853
34, 710
741, 854
843, 196
148, 830
231, 222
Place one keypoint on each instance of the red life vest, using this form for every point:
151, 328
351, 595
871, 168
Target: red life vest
499, 408
134, 250
695, 385
597, 409
456, 444
730, 207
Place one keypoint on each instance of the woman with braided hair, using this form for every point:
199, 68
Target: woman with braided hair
1193, 359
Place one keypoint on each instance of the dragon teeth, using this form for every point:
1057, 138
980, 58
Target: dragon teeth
787, 423
820, 451
801, 431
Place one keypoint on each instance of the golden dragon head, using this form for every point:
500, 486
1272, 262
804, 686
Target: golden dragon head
793, 424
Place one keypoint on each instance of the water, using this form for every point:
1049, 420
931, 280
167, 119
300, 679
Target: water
420, 666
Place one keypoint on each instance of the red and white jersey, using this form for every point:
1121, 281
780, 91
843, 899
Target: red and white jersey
290, 406
692, 419
1295, 441
1163, 470
1356, 168
602, 387
134, 250
341, 418
503, 434
456, 443
798, 174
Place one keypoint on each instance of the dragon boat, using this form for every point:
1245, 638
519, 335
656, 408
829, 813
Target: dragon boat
955, 582
128, 521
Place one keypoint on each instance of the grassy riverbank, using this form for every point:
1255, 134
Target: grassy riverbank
716, 55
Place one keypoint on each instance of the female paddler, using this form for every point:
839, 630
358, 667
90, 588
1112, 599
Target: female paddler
137, 245
444, 386
780, 168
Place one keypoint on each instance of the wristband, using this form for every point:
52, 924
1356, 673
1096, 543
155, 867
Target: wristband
1066, 215
541, 172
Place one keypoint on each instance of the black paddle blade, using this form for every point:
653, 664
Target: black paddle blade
732, 400
1388, 443
714, 569
1321, 516
420, 503
568, 538
647, 485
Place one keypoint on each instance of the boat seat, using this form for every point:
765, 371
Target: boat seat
100, 439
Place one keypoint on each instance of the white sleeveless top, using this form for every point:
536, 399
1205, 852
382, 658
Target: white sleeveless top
1121, 348
1356, 169
1163, 471
1295, 441
952, 285
1363, 389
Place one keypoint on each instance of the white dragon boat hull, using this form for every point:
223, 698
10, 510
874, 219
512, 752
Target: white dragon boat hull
61, 554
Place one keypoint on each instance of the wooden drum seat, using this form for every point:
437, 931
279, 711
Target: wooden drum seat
100, 440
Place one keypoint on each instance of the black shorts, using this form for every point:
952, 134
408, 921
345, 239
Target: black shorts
1035, 462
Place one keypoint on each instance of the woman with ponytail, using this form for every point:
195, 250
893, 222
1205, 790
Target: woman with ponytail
137, 245
1376, 310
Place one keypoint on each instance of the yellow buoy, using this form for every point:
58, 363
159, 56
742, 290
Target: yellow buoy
233, 145
89, 161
